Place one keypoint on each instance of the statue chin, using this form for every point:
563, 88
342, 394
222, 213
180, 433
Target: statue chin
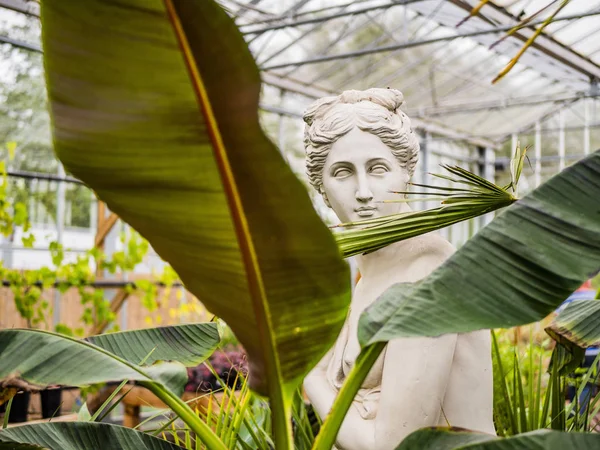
359, 148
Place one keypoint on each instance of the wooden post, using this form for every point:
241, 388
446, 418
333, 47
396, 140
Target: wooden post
131, 418
104, 226
115, 305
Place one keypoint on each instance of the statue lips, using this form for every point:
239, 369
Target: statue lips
365, 211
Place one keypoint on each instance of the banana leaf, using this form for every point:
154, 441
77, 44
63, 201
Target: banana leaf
33, 359
578, 325
78, 436
458, 439
189, 344
516, 270
154, 105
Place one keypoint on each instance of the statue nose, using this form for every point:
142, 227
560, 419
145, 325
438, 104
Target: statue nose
363, 191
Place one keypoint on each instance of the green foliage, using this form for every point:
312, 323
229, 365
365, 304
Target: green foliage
63, 355
522, 386
28, 286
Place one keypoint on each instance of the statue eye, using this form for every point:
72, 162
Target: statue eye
379, 169
341, 172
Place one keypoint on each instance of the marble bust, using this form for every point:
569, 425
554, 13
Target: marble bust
359, 147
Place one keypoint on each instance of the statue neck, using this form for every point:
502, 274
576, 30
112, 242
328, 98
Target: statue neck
384, 261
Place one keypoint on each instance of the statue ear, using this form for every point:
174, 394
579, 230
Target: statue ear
324, 195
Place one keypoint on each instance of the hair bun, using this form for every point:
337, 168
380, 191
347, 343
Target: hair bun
390, 99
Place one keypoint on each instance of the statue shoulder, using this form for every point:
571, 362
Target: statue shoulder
434, 250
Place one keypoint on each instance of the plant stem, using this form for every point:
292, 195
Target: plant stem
365, 360
185, 413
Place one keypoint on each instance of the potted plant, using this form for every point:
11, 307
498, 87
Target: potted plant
19, 407
223, 366
51, 399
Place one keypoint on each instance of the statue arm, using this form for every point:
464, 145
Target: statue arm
318, 389
415, 376
356, 433
416, 371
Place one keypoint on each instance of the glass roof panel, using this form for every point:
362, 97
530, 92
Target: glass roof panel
321, 47
418, 49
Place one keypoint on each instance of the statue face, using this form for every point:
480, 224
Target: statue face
359, 172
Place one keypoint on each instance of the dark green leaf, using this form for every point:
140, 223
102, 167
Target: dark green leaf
516, 270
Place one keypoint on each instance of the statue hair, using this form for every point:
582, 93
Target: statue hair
375, 111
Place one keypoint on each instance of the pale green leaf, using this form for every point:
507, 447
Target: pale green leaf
189, 344
58, 359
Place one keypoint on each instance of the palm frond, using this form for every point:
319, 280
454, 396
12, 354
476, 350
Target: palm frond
470, 197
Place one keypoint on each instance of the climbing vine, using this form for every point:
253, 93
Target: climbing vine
78, 273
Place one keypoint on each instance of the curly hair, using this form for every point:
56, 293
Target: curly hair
374, 110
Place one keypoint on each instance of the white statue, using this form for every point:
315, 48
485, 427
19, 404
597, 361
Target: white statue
359, 147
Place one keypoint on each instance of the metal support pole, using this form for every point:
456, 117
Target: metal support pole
405, 25
124, 308
561, 140
513, 148
60, 228
425, 143
587, 103
487, 171
513, 143
281, 126
538, 154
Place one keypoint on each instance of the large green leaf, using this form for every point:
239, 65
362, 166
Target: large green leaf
154, 105
455, 439
578, 324
79, 436
188, 344
38, 358
516, 270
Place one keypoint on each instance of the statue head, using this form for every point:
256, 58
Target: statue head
359, 147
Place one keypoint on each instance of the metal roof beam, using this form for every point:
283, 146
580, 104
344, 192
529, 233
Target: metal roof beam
297, 23
546, 44
21, 6
496, 104
389, 48
20, 44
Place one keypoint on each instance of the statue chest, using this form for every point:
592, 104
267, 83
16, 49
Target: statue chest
349, 347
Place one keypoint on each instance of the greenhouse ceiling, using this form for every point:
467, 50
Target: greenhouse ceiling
312, 48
